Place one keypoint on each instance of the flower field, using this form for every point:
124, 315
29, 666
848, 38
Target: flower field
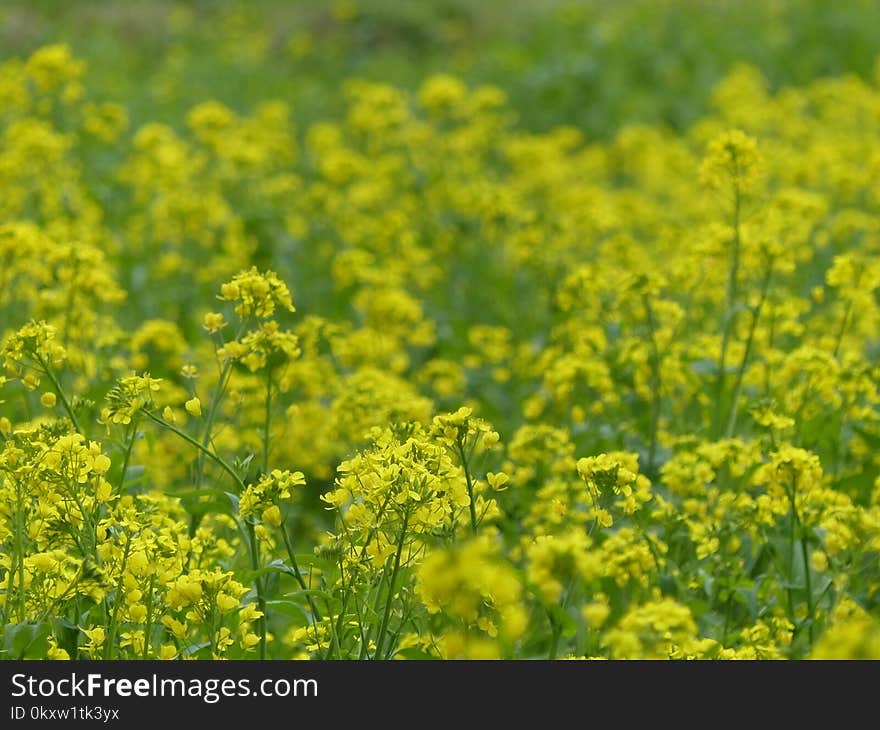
419, 372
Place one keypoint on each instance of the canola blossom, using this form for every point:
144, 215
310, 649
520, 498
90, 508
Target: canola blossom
411, 381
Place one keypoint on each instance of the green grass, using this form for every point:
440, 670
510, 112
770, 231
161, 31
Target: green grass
593, 64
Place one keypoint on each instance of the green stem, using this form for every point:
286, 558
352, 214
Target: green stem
254, 550
387, 614
58, 599
727, 606
207, 452
19, 551
730, 302
302, 583
225, 373
58, 389
808, 582
267, 420
556, 631
740, 373
88, 521
790, 590
809, 587
470, 485
111, 628
214, 630
149, 626
805, 401
791, 492
655, 388
843, 325
128, 448
396, 636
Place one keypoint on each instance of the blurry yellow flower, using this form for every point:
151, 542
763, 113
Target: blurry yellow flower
272, 515
214, 322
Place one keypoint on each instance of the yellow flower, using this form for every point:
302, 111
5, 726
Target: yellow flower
44, 562
249, 641
101, 463
226, 603
213, 322
178, 628
139, 563
189, 371
272, 515
48, 399
194, 407
731, 159
497, 481
57, 654
442, 92
596, 612
96, 635
104, 491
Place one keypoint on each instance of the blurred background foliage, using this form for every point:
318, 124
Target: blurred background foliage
594, 64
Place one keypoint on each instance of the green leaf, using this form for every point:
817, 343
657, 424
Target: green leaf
567, 625
195, 648
276, 566
133, 474
67, 632
704, 366
305, 560
200, 509
241, 466
310, 592
27, 640
288, 608
196, 493
204, 501
872, 439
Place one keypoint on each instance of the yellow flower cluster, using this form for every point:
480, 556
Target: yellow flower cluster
541, 396
263, 498
471, 585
